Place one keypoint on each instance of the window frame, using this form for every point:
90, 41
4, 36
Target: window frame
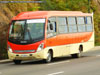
68, 25
52, 31
89, 24
72, 24
81, 24
62, 25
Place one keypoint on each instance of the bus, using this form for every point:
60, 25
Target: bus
44, 35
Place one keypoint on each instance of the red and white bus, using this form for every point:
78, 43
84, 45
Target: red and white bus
49, 34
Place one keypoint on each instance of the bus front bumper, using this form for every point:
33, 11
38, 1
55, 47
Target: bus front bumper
29, 56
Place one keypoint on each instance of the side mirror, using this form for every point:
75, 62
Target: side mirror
48, 21
51, 26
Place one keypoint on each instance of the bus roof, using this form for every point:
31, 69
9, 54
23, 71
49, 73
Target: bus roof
44, 14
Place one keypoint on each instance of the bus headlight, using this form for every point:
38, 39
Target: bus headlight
40, 47
9, 49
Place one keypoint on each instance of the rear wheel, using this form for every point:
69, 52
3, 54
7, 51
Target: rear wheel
78, 55
17, 61
49, 57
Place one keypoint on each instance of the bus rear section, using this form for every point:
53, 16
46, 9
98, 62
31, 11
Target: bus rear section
49, 34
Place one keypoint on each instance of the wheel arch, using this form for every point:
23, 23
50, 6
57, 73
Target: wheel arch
51, 51
81, 48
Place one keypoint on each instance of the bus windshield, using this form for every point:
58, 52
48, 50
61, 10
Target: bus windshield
27, 30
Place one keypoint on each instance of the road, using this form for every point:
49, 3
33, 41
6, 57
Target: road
88, 64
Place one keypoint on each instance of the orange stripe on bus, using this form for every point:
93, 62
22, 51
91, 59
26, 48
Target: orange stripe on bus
63, 39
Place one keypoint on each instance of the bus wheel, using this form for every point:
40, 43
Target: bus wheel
77, 55
17, 62
49, 57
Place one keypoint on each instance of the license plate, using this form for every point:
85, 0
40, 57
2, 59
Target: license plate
23, 55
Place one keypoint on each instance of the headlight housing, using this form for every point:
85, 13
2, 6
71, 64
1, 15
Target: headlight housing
9, 49
40, 47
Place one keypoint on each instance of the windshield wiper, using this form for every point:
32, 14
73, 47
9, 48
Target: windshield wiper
29, 34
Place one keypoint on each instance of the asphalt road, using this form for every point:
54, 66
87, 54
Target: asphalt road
88, 64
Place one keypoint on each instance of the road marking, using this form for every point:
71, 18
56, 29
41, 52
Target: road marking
56, 73
58, 63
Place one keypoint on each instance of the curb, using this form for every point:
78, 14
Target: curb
5, 61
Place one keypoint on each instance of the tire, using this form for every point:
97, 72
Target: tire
77, 55
49, 57
17, 62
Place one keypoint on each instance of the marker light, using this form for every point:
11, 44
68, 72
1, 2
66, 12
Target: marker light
9, 49
40, 47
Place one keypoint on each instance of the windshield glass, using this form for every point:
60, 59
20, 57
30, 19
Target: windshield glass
27, 30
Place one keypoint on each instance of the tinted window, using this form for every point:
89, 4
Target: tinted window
89, 25
72, 28
71, 20
61, 20
51, 27
81, 24
80, 20
62, 25
88, 20
27, 30
81, 28
51, 24
72, 24
52, 19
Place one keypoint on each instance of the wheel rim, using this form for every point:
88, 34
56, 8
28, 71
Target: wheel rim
49, 57
80, 52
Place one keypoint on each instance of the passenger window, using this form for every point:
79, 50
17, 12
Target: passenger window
88, 20
62, 25
89, 28
51, 27
81, 24
52, 19
72, 24
89, 25
72, 28
80, 21
71, 21
81, 28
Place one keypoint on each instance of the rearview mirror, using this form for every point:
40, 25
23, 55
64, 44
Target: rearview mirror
51, 26
48, 21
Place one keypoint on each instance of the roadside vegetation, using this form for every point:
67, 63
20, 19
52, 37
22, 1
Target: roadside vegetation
7, 11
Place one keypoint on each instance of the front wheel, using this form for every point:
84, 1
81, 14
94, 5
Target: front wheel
49, 57
17, 62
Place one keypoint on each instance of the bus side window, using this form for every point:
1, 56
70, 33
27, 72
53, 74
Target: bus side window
51, 27
81, 24
72, 24
62, 25
89, 25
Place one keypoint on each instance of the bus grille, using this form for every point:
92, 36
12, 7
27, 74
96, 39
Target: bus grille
20, 51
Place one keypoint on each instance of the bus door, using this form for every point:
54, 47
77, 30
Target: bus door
51, 35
